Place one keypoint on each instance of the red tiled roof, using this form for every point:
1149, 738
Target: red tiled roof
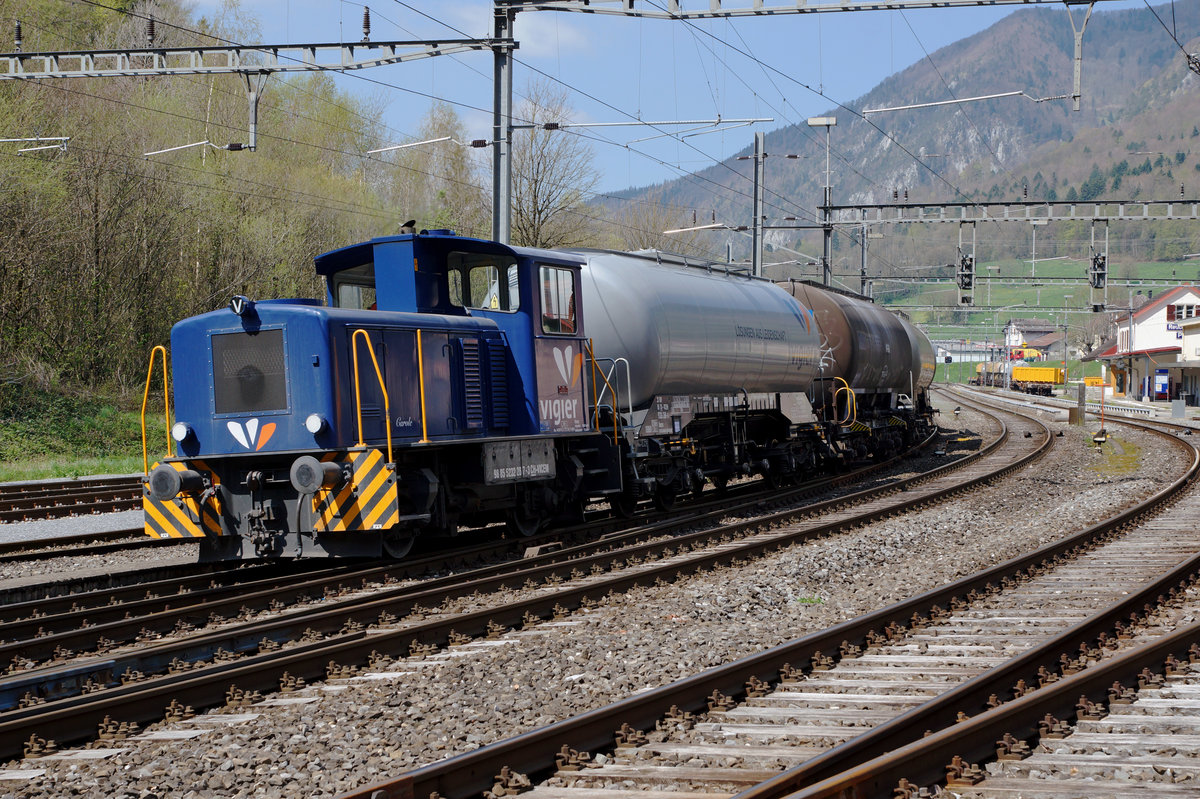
1161, 301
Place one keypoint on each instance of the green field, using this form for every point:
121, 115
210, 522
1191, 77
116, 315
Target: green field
964, 371
46, 433
1004, 300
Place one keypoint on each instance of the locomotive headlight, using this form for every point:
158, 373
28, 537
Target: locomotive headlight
182, 431
315, 423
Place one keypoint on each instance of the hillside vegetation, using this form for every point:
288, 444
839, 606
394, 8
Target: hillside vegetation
102, 248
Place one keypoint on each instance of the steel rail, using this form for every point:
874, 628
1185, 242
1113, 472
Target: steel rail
9, 491
533, 752
99, 607
74, 718
59, 681
923, 761
120, 541
971, 697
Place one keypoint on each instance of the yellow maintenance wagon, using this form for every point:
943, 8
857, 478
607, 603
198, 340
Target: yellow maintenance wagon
1038, 379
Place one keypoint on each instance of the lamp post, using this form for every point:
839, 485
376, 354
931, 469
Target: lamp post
826, 212
1065, 334
1036, 223
990, 278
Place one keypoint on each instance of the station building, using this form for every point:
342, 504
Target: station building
1156, 353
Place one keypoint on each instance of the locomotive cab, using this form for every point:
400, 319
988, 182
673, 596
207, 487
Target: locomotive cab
439, 387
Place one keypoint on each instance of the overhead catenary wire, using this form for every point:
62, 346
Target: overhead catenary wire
359, 76
604, 103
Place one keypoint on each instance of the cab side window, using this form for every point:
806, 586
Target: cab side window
480, 280
558, 300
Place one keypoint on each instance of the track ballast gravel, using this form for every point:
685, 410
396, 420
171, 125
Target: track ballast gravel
332, 737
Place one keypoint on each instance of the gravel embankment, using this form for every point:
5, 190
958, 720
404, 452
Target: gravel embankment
361, 731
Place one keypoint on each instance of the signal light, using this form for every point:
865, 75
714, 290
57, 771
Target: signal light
1098, 271
966, 272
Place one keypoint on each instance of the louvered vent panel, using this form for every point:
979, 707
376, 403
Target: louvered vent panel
472, 384
498, 374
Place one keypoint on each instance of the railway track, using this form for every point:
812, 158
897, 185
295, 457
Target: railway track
599, 522
836, 698
354, 630
57, 499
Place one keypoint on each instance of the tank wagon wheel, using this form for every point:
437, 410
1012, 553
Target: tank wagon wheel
720, 482
523, 523
623, 505
664, 498
398, 543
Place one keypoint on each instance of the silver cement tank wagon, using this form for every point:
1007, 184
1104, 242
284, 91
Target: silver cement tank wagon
695, 329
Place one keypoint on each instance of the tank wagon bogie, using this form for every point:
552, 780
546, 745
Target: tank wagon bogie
451, 382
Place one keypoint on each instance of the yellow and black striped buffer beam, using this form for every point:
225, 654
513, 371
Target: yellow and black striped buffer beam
184, 516
366, 502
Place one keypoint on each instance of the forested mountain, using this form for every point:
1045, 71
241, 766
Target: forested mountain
1137, 135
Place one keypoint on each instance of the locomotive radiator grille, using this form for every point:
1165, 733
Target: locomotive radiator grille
185, 516
249, 372
498, 374
366, 502
472, 384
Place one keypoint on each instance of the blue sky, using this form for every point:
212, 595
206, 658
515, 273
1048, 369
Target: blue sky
617, 69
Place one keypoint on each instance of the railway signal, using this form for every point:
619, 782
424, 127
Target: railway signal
1098, 271
966, 278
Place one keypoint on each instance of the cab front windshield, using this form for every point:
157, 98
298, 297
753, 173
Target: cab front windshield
354, 288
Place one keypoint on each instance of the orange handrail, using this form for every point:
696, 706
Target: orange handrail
421, 387
851, 403
166, 406
595, 406
387, 411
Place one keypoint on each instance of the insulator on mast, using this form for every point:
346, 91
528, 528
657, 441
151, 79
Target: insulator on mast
17, 37
366, 23
150, 31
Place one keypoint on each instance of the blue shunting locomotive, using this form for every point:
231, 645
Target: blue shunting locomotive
452, 382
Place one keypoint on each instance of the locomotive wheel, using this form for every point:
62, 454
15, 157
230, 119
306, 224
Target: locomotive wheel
398, 543
522, 523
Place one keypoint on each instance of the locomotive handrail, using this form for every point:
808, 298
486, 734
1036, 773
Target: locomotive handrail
166, 407
387, 411
614, 370
421, 387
